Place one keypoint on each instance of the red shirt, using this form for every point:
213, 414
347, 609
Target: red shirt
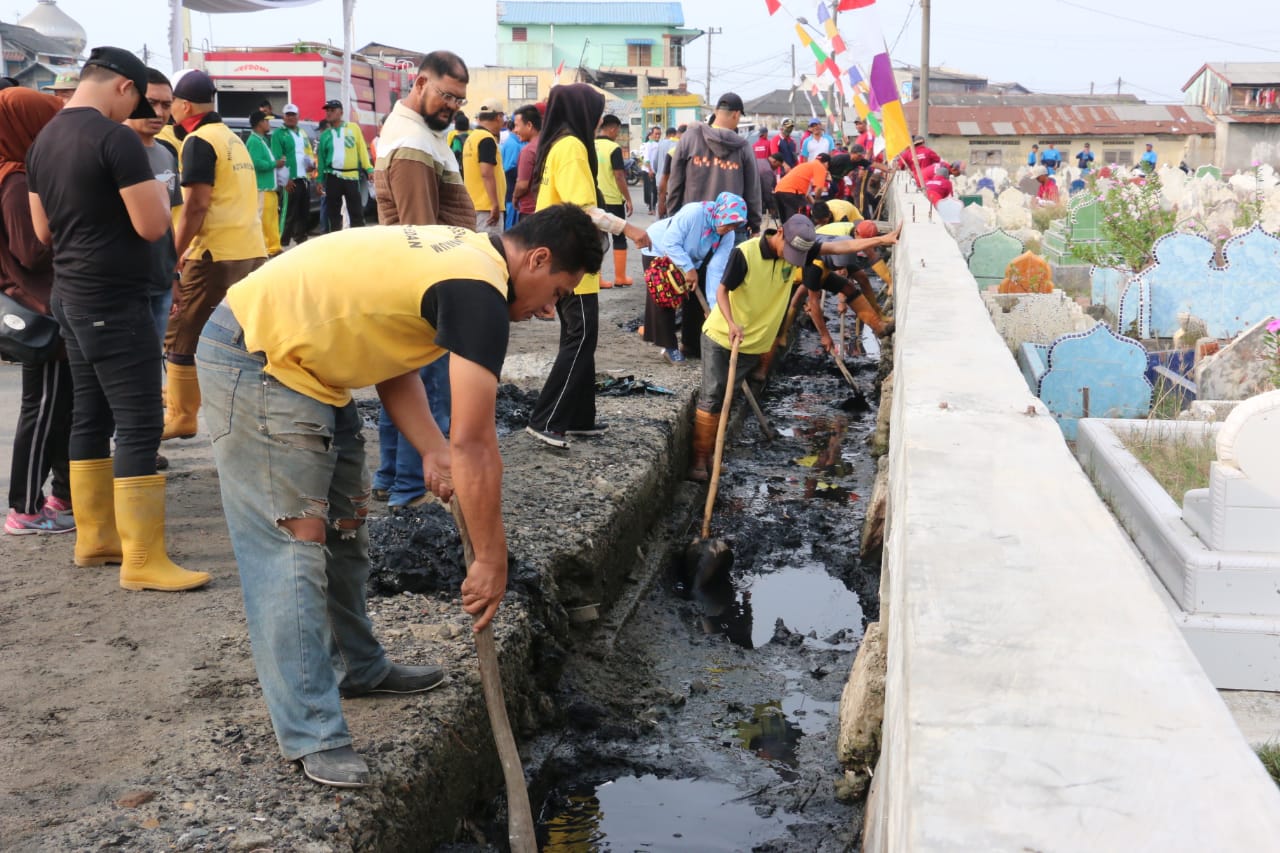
524, 172
1048, 192
762, 148
938, 188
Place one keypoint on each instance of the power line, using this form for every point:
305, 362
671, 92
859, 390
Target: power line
1167, 29
905, 21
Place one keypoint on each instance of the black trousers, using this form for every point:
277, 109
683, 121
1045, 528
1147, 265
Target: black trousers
650, 191
298, 214
337, 189
568, 398
112, 352
692, 317
789, 205
40, 441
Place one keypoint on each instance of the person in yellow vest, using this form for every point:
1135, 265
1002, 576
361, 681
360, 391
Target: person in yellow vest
482, 168
342, 157
611, 178
280, 359
751, 300
565, 171
218, 236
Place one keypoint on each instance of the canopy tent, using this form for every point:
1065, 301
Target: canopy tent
229, 6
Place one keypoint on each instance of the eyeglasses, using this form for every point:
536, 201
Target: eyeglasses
449, 98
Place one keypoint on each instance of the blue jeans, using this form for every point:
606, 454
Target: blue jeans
160, 305
399, 463
281, 455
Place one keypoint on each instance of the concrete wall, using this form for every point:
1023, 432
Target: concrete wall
1038, 696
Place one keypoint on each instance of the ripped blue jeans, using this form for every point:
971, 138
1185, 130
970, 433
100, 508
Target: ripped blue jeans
282, 455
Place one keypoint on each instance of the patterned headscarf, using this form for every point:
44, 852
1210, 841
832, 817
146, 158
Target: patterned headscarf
727, 209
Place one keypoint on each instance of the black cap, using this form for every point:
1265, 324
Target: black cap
255, 117
192, 84
730, 101
127, 65
333, 104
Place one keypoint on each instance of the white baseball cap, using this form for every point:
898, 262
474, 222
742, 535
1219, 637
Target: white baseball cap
290, 108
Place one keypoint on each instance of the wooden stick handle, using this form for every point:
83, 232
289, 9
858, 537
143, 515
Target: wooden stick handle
714, 485
520, 831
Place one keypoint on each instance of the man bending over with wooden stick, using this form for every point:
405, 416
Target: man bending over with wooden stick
279, 360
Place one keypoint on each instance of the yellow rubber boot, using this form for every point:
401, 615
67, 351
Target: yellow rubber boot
620, 276
184, 403
93, 499
869, 315
704, 444
881, 269
140, 520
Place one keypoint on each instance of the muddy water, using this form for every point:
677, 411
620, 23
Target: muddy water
710, 724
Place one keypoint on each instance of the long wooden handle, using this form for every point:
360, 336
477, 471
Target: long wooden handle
765, 426
714, 485
520, 831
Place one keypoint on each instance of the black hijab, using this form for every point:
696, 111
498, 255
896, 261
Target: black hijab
572, 110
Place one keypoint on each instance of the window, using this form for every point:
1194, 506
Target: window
639, 55
1118, 156
519, 33
521, 90
677, 53
986, 157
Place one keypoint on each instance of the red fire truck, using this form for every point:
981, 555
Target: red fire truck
306, 75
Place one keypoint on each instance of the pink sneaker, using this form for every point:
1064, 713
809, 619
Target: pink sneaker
45, 521
57, 504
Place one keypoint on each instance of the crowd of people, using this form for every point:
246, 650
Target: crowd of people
153, 239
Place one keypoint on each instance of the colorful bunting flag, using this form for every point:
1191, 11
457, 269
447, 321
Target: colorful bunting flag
850, 5
803, 36
774, 5
829, 26
896, 136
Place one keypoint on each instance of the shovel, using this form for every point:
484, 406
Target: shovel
714, 485
520, 830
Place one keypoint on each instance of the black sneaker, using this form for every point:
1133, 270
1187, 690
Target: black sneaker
598, 428
340, 767
402, 679
555, 439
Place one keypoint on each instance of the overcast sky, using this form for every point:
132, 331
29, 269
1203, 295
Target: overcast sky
1047, 45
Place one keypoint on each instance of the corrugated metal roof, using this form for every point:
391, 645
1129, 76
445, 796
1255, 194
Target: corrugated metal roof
1248, 73
568, 13
35, 42
1080, 120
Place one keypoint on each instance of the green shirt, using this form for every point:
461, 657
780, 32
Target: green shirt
264, 162
284, 143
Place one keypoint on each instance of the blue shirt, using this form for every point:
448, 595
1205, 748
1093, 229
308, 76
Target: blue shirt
1149, 157
511, 148
684, 239
1084, 159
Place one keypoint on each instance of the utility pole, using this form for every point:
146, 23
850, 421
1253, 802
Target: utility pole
1118, 82
794, 86
924, 69
711, 31
146, 55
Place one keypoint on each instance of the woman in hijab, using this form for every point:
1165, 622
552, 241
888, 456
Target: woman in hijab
565, 172
26, 275
693, 239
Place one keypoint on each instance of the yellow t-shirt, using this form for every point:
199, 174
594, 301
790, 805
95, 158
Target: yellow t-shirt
758, 302
471, 172
605, 179
567, 179
842, 210
327, 325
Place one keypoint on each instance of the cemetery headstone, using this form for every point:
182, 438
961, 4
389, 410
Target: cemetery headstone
991, 255
1238, 370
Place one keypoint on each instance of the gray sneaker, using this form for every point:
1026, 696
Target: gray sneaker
340, 767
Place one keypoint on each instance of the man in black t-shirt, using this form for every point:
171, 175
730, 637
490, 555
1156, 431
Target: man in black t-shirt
94, 196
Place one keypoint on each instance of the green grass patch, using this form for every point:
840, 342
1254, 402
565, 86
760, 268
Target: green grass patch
1269, 755
1179, 463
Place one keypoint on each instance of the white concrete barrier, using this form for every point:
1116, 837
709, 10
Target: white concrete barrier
1038, 696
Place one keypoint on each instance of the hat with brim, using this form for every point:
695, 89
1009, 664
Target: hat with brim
798, 237
290, 108
67, 81
127, 65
